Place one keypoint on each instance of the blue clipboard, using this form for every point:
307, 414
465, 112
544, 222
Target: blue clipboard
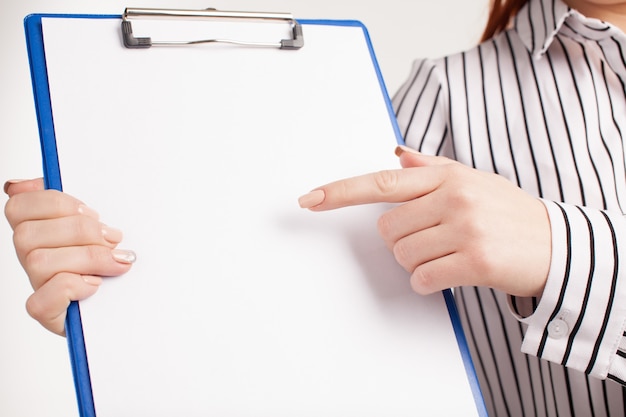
52, 177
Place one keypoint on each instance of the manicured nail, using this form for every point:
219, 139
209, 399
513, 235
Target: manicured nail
124, 256
111, 234
88, 211
92, 280
10, 183
400, 149
312, 199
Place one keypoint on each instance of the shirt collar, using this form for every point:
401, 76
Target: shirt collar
539, 21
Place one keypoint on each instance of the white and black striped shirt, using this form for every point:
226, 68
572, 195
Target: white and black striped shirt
544, 105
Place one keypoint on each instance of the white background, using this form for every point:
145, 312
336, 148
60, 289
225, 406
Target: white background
35, 375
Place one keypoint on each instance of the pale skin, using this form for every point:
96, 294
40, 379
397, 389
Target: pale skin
613, 11
452, 226
63, 247
455, 225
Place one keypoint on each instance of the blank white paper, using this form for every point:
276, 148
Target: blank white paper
241, 303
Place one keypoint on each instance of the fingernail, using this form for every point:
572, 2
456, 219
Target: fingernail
312, 199
111, 234
88, 211
92, 280
10, 183
124, 256
400, 149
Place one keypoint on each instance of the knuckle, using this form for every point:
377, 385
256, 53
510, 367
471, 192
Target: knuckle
35, 264
10, 209
95, 255
41, 307
386, 181
35, 308
482, 262
456, 170
464, 198
83, 228
402, 253
22, 238
13, 209
475, 230
384, 226
422, 282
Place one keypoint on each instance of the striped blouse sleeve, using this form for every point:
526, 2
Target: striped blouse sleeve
579, 321
422, 110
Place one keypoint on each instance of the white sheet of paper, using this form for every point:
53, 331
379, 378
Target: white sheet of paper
241, 303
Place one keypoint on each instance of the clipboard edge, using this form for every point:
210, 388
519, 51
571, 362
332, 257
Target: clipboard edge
52, 180
470, 370
448, 296
379, 75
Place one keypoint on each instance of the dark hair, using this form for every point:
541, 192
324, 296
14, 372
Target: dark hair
500, 15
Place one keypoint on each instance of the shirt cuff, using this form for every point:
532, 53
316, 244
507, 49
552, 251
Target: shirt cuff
579, 320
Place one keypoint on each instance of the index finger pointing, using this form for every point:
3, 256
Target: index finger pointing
390, 186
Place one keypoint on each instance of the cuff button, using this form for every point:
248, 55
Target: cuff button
558, 329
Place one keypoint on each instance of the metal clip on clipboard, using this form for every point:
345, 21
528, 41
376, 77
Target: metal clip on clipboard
131, 41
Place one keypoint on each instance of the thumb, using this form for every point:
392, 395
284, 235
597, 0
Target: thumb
410, 158
13, 187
